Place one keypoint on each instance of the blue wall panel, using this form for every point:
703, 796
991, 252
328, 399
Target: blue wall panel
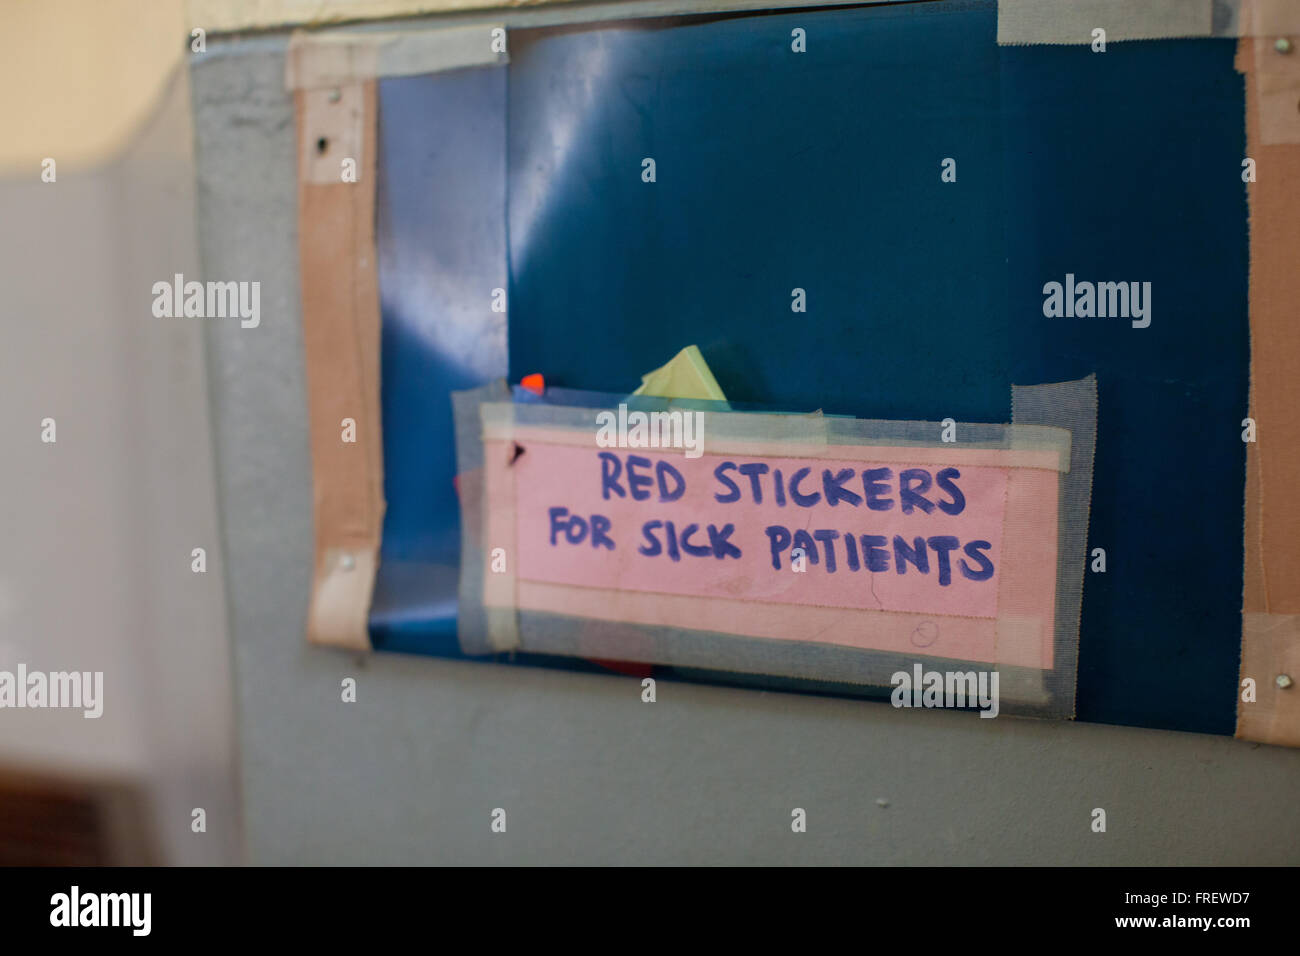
821, 171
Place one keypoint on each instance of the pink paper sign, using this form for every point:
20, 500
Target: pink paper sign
884, 533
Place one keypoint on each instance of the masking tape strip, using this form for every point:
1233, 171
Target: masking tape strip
798, 436
642, 628
1273, 94
1072, 21
500, 587
863, 629
1275, 351
1266, 18
228, 16
333, 141
340, 325
1270, 656
647, 627
334, 59
499, 421
1270, 634
473, 627
1070, 405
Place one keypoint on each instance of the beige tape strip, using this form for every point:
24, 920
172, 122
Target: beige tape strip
1270, 642
328, 60
340, 319
1276, 87
1270, 651
333, 135
1267, 18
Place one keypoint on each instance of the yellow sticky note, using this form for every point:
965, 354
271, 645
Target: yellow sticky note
687, 375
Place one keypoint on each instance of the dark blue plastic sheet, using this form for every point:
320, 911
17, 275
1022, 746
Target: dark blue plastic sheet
441, 242
821, 171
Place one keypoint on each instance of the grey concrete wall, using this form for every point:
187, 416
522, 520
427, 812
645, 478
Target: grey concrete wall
588, 773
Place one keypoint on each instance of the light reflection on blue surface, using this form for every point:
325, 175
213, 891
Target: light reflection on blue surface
441, 240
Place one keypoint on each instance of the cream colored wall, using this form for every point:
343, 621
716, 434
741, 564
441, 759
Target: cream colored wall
78, 77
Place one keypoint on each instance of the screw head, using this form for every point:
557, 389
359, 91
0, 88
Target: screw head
336, 95
347, 562
1284, 681
1282, 45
